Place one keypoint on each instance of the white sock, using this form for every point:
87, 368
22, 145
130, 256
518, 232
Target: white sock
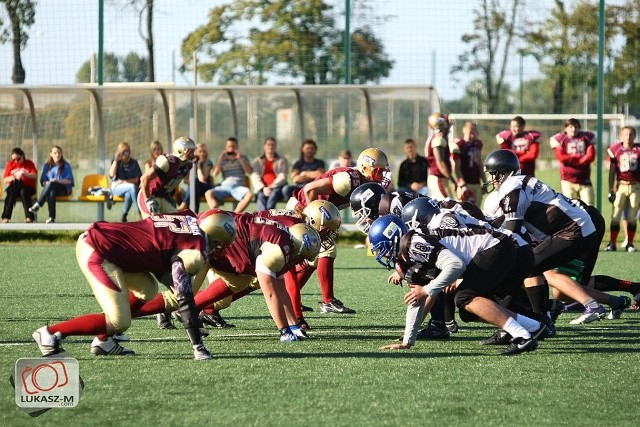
528, 323
515, 329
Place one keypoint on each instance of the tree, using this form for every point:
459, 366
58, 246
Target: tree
250, 40
495, 31
131, 68
144, 9
566, 47
625, 85
21, 14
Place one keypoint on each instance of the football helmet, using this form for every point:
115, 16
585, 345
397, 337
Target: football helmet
305, 241
325, 218
419, 212
373, 164
500, 165
364, 201
219, 226
384, 238
439, 121
184, 148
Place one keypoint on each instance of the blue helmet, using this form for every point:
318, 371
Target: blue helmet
384, 238
419, 212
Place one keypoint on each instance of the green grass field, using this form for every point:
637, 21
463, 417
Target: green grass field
339, 377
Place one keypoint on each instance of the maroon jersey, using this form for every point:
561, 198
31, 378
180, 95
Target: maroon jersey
437, 141
524, 145
470, 155
343, 181
165, 182
240, 257
147, 245
626, 160
570, 151
284, 217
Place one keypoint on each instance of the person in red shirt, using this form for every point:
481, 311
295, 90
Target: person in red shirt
575, 150
119, 258
524, 143
438, 155
466, 153
20, 177
269, 176
624, 185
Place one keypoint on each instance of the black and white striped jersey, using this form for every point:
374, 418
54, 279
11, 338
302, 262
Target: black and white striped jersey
542, 210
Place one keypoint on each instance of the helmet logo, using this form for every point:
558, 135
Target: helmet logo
325, 213
391, 229
229, 229
366, 195
306, 242
368, 159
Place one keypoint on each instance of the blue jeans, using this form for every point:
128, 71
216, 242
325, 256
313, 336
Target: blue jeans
264, 203
130, 193
201, 188
49, 193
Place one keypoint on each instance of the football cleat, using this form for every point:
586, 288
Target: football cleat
303, 324
214, 320
611, 247
200, 352
499, 337
335, 306
48, 343
541, 333
452, 326
120, 337
616, 312
298, 332
434, 330
557, 307
164, 321
520, 345
630, 248
590, 315
287, 336
109, 347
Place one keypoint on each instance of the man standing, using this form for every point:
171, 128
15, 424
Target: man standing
412, 175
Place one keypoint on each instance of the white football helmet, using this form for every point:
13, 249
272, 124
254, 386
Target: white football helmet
184, 148
325, 218
305, 241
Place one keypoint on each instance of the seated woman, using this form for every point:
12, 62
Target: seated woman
56, 180
125, 174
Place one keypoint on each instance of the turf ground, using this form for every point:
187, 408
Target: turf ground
339, 377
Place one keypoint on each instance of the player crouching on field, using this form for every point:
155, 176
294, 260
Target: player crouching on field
118, 257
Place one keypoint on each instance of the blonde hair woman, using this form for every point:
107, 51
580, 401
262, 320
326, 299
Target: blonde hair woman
125, 174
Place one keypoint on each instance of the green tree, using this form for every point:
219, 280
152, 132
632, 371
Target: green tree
250, 40
131, 68
144, 10
491, 44
566, 47
625, 84
21, 15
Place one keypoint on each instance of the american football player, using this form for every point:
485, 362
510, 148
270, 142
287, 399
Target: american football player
438, 155
523, 143
562, 227
120, 257
336, 186
483, 259
466, 154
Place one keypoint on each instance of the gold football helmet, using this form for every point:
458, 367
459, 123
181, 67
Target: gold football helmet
325, 218
219, 226
184, 148
305, 241
439, 121
373, 164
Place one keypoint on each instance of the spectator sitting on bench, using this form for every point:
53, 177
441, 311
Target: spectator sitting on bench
20, 176
233, 166
305, 169
125, 174
269, 176
56, 180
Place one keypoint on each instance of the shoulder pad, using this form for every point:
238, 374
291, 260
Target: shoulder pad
162, 163
342, 183
192, 259
274, 258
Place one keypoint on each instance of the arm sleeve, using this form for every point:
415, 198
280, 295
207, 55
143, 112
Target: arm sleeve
451, 268
412, 323
180, 276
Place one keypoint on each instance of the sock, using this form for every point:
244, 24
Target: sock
449, 307
325, 277
293, 289
539, 297
89, 324
438, 310
631, 236
214, 292
155, 306
614, 235
608, 283
529, 324
591, 303
210, 310
515, 329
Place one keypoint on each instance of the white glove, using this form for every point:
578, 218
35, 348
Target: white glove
152, 206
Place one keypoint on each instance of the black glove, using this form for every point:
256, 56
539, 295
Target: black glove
612, 196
